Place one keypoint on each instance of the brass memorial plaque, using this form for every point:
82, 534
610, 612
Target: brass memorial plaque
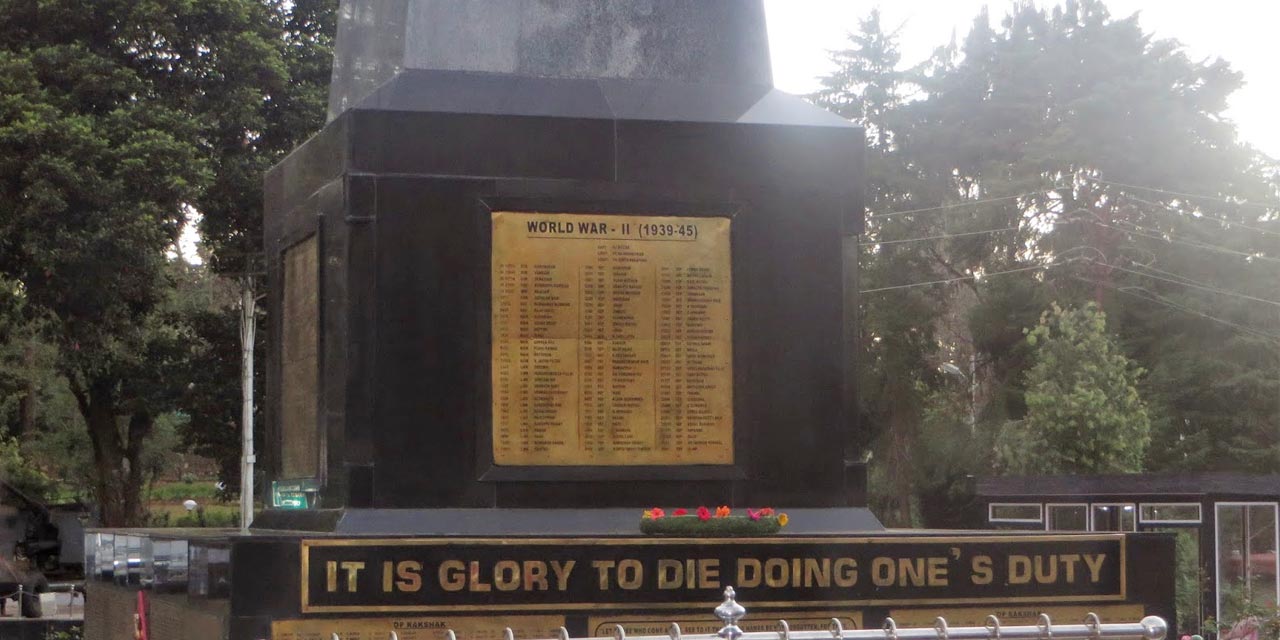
760, 622
300, 361
612, 340
1012, 615
478, 628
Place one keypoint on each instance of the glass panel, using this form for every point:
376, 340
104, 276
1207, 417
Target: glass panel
106, 556
220, 572
1068, 517
198, 570
1246, 560
1114, 517
1188, 512
91, 556
120, 565
1015, 512
171, 566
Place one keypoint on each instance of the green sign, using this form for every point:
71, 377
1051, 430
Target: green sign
294, 494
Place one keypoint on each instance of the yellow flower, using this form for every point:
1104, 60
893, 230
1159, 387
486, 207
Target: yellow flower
648, 515
782, 519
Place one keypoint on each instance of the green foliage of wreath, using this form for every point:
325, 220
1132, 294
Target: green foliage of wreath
692, 526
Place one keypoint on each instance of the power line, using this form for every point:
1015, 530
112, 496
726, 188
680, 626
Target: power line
970, 277
1173, 275
1159, 235
1207, 247
1204, 216
1157, 299
957, 205
1217, 290
1185, 195
941, 237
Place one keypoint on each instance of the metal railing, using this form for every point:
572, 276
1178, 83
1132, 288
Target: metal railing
730, 612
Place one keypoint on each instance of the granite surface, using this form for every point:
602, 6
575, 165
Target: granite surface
718, 42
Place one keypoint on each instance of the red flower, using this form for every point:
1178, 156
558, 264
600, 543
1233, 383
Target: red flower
704, 513
754, 515
766, 512
657, 513
680, 512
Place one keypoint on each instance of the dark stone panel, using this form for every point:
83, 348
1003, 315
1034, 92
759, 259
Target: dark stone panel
265, 578
856, 487
792, 159
850, 419
407, 268
637, 495
430, 263
335, 339
1150, 574
582, 196
788, 367
670, 101
782, 108
297, 519
695, 103
488, 93
575, 522
360, 486
604, 99
36, 629
482, 145
416, 273
315, 163
249, 627
854, 203
361, 289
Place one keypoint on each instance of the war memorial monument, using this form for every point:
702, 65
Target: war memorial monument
548, 265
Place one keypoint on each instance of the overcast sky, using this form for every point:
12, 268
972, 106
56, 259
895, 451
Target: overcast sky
1246, 33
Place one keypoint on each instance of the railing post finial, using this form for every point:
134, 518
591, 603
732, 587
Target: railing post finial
730, 612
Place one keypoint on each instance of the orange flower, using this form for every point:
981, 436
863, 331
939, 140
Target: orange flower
722, 511
704, 513
766, 512
681, 512
782, 519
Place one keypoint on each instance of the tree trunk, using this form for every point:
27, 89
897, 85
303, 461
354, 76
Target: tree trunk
28, 405
117, 465
898, 461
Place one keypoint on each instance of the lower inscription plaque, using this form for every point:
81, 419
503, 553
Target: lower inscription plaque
612, 340
556, 576
759, 621
476, 628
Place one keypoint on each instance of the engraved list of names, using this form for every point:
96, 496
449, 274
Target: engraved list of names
612, 340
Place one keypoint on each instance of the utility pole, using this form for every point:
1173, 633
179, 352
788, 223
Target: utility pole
248, 327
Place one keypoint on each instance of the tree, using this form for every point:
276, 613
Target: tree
108, 121
1060, 154
896, 331
231, 222
1084, 412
